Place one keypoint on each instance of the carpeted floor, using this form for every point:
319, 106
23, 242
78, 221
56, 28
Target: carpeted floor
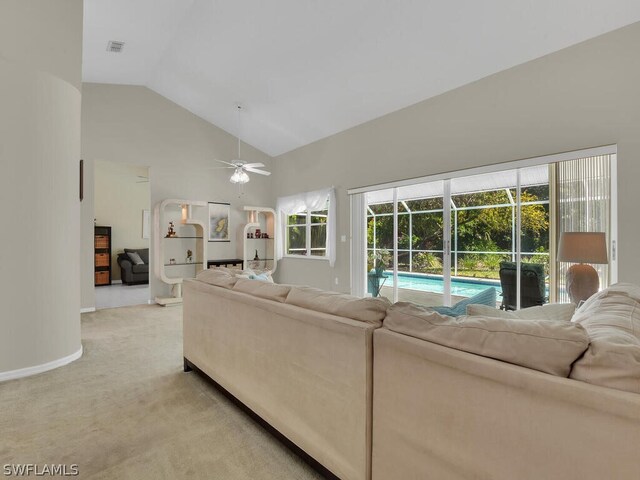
125, 410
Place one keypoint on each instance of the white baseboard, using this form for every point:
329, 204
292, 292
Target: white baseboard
28, 371
115, 281
88, 310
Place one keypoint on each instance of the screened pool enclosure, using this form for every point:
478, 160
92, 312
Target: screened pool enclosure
440, 241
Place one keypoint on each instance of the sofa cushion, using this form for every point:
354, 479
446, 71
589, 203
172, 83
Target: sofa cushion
612, 320
141, 268
549, 347
143, 252
370, 310
269, 291
220, 277
485, 297
552, 311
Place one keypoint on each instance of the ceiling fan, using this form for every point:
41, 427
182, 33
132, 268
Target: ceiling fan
240, 174
241, 167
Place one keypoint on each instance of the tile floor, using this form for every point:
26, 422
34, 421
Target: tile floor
119, 295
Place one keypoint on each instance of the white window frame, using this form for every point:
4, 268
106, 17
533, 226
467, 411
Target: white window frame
308, 226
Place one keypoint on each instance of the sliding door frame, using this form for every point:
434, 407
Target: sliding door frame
448, 176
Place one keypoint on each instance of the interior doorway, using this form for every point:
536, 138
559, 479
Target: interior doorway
121, 217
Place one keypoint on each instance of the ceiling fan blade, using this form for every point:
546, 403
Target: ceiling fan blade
253, 165
259, 172
227, 163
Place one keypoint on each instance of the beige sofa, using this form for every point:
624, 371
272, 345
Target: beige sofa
427, 396
443, 413
299, 358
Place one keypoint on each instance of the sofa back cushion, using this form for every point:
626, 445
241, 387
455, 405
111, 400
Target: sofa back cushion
562, 312
549, 347
220, 277
370, 310
262, 289
612, 320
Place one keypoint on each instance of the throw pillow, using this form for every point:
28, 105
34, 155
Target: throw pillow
135, 258
263, 277
612, 320
552, 311
485, 297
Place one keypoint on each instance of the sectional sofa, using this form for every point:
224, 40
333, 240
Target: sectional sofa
371, 390
300, 358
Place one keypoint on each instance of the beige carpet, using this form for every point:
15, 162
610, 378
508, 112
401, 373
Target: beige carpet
125, 410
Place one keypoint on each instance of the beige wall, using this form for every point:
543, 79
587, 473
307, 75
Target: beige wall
580, 97
43, 35
134, 125
40, 65
120, 198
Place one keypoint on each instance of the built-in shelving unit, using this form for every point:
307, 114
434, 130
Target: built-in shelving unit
102, 255
190, 234
264, 220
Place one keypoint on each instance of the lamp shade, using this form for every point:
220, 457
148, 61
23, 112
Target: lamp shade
583, 247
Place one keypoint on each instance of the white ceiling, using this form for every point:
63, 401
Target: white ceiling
306, 69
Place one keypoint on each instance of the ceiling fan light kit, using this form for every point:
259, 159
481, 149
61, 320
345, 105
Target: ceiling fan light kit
239, 176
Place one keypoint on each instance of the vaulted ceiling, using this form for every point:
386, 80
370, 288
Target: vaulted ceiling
306, 69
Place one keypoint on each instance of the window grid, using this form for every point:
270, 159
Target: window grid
308, 250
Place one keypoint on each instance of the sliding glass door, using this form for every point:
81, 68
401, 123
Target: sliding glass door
437, 242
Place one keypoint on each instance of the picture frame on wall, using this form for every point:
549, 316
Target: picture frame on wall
219, 213
81, 185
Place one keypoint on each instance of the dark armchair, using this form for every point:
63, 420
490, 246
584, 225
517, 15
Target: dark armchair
532, 287
131, 273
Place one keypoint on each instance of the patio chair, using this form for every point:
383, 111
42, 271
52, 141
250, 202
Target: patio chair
532, 288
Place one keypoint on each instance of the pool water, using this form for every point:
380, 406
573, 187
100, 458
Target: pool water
428, 283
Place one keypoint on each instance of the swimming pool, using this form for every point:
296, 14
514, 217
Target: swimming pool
462, 287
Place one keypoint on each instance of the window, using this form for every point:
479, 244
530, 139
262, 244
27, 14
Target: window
306, 233
307, 222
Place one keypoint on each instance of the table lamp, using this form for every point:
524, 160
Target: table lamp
582, 248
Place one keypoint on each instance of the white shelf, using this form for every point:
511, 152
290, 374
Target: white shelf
184, 215
263, 218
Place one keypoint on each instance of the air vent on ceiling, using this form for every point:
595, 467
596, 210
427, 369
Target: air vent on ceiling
115, 47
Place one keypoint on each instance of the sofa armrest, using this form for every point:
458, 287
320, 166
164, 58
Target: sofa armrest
125, 263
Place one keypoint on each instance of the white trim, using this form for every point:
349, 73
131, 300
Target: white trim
28, 371
518, 239
115, 281
395, 245
358, 246
88, 310
614, 251
307, 257
496, 167
446, 242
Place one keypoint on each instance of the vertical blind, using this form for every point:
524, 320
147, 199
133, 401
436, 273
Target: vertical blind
583, 189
